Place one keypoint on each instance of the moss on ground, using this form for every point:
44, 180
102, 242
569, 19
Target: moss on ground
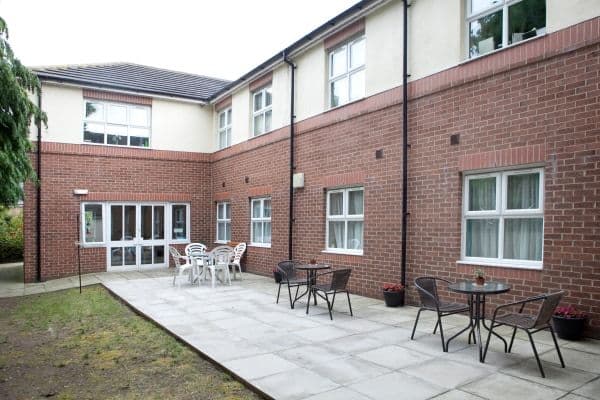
66, 345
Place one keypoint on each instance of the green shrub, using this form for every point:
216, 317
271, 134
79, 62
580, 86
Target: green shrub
11, 237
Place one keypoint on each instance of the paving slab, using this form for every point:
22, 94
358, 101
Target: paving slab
590, 390
397, 385
500, 387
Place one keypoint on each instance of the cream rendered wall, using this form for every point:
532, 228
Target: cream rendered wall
281, 97
240, 116
64, 107
181, 126
562, 13
311, 82
435, 36
383, 32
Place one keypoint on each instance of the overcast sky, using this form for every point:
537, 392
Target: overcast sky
222, 38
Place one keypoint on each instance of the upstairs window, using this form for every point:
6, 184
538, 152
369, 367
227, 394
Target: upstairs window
503, 218
347, 72
495, 24
262, 112
116, 124
224, 131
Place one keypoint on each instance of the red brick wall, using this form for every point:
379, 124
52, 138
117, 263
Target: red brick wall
146, 175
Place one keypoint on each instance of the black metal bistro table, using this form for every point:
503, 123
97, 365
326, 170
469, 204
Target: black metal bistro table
476, 294
311, 277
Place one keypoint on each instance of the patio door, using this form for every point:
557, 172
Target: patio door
137, 236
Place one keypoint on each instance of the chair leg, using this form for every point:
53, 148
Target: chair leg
329, 305
290, 293
487, 342
412, 336
278, 290
442, 334
333, 300
349, 304
562, 363
436, 326
512, 340
535, 353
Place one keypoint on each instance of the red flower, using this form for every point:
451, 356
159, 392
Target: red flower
568, 312
392, 287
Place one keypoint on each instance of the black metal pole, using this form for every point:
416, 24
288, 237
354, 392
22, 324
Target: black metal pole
78, 243
38, 215
292, 167
404, 142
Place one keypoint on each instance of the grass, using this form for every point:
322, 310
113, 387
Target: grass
66, 345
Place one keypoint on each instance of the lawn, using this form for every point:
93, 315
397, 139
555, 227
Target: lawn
66, 345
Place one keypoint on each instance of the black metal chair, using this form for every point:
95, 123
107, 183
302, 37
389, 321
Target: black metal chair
337, 284
427, 288
529, 323
289, 276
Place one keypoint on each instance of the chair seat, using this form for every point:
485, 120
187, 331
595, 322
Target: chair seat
449, 307
519, 320
323, 288
295, 281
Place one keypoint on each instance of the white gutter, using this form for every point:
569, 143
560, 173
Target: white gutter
339, 26
104, 89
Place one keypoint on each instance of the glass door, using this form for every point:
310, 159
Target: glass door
137, 236
152, 238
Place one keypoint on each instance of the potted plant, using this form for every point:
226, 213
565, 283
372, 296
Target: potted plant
313, 260
393, 294
479, 276
277, 275
568, 322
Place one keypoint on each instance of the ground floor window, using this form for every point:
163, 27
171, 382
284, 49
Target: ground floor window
260, 226
503, 217
223, 222
345, 220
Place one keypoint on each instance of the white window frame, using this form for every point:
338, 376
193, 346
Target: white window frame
261, 219
263, 110
227, 221
503, 6
225, 129
127, 126
346, 75
83, 242
345, 218
501, 213
169, 223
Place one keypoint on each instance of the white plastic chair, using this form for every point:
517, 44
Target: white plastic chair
238, 252
196, 253
180, 268
219, 260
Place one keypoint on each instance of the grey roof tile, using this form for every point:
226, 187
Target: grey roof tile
137, 78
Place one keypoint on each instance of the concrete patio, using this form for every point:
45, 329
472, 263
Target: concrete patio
288, 355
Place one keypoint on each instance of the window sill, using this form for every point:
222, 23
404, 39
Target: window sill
496, 51
221, 242
92, 245
344, 252
261, 245
501, 265
118, 145
346, 104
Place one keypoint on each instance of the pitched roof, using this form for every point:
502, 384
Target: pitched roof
135, 77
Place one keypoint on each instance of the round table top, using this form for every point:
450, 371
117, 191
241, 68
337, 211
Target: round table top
473, 288
308, 267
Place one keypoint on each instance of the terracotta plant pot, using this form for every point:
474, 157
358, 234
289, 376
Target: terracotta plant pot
480, 280
313, 261
393, 299
568, 328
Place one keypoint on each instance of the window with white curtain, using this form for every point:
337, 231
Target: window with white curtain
224, 130
495, 24
262, 113
503, 218
345, 220
347, 72
223, 222
260, 222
